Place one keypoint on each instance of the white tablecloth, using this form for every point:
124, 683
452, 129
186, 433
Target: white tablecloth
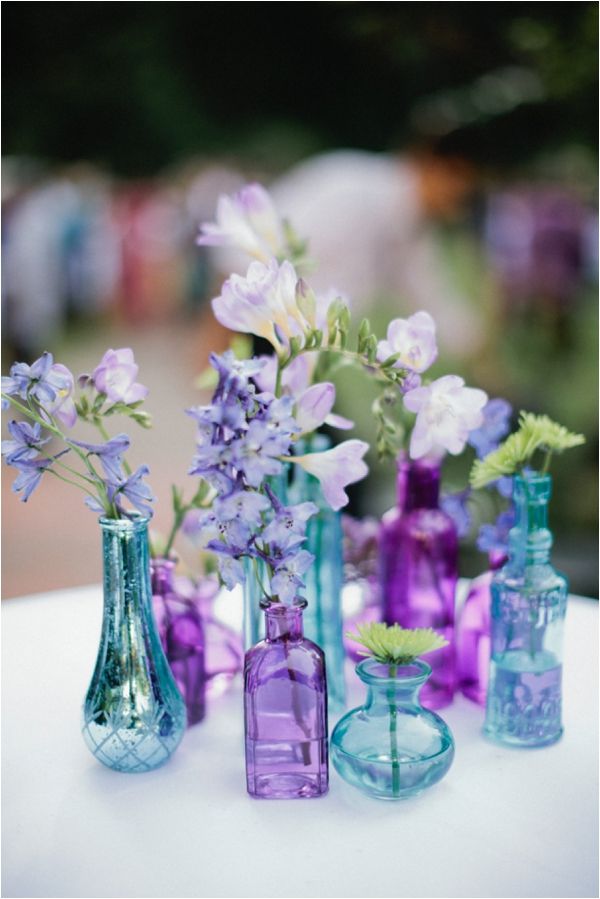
502, 823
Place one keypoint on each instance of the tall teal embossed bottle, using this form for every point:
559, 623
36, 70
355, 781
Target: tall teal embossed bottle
134, 716
529, 601
325, 578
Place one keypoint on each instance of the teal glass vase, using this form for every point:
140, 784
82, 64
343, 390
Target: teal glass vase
391, 747
324, 580
134, 717
529, 601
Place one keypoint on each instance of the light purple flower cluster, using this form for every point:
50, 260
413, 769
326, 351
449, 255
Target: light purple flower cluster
495, 426
44, 392
242, 436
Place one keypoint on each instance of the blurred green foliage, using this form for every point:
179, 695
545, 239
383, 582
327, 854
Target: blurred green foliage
137, 86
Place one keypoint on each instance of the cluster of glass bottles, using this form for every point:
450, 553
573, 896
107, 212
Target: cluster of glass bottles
153, 670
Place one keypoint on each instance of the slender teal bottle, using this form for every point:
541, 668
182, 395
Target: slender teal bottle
529, 601
134, 716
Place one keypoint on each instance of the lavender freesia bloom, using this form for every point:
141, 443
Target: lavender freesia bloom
413, 340
336, 468
248, 221
262, 303
446, 412
115, 376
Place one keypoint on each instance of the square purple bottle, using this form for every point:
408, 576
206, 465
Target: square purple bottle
419, 569
285, 709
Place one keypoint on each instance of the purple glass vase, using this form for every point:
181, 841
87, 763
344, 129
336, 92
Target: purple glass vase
419, 569
181, 633
285, 710
223, 654
473, 635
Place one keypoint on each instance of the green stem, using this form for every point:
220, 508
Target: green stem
392, 671
278, 378
547, 461
178, 521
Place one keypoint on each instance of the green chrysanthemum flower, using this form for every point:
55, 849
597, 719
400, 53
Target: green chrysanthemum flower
536, 432
395, 645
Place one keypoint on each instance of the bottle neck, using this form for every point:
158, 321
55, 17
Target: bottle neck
398, 685
530, 541
162, 573
418, 484
126, 563
283, 622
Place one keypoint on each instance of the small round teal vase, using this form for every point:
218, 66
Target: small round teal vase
391, 747
134, 716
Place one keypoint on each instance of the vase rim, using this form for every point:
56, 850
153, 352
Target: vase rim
282, 608
366, 673
134, 521
533, 477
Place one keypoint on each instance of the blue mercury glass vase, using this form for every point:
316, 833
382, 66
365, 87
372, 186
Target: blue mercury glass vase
134, 716
529, 601
391, 747
324, 580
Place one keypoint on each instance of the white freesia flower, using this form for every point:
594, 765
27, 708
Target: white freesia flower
336, 468
414, 339
262, 303
446, 412
248, 221
314, 409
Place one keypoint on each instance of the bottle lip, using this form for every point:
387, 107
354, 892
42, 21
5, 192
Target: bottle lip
282, 608
412, 674
164, 562
134, 522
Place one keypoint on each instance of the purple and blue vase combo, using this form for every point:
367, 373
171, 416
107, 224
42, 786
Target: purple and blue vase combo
133, 714
529, 598
243, 436
391, 747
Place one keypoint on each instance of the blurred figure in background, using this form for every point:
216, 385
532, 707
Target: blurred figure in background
370, 222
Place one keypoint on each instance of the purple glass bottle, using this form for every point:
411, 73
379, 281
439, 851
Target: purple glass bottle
419, 569
223, 652
181, 633
473, 641
285, 710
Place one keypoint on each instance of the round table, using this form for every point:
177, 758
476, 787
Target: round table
504, 822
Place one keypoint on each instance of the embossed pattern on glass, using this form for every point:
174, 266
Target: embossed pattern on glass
133, 716
391, 747
419, 569
285, 710
529, 600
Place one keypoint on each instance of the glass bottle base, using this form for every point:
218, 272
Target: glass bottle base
287, 786
533, 742
375, 775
